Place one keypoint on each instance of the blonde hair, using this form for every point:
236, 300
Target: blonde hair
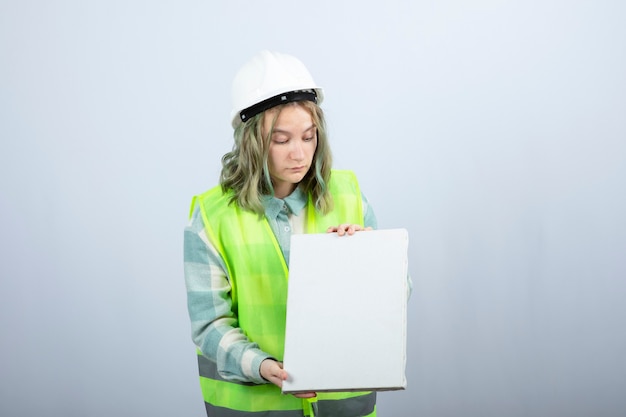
245, 170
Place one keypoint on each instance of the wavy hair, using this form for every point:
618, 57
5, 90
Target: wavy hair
245, 169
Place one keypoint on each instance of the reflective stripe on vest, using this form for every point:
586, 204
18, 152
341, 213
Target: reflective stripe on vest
364, 406
328, 404
259, 294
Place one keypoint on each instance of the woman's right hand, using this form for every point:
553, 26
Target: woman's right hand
273, 372
347, 229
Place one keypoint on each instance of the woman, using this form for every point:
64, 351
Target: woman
277, 180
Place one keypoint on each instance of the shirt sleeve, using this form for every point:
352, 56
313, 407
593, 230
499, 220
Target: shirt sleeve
214, 326
369, 218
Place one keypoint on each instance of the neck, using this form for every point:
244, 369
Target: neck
284, 191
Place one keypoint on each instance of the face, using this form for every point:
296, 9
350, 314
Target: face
292, 146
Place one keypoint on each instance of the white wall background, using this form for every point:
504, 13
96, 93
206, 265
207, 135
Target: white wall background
494, 131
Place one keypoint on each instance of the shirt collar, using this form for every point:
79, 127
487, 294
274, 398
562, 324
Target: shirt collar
294, 202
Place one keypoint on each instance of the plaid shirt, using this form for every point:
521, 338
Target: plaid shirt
214, 326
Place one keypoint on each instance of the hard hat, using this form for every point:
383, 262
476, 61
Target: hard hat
270, 79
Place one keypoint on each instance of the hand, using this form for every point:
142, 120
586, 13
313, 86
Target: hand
347, 228
273, 371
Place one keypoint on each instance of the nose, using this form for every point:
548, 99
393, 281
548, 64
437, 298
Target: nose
297, 150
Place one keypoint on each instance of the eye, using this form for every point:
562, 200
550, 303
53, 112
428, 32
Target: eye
310, 138
280, 141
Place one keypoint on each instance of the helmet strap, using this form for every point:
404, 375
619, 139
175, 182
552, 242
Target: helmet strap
291, 96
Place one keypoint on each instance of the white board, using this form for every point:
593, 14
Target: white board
346, 312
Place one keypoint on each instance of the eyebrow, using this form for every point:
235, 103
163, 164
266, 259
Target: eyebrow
287, 132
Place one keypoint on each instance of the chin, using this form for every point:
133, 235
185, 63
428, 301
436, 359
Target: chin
300, 178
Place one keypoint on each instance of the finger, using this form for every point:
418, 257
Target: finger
305, 395
310, 394
342, 228
349, 229
276, 381
274, 378
278, 378
273, 371
282, 374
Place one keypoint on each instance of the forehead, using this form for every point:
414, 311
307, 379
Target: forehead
289, 117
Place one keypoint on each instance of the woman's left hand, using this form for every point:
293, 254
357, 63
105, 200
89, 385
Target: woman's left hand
347, 228
272, 371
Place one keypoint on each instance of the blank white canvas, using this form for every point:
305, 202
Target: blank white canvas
346, 312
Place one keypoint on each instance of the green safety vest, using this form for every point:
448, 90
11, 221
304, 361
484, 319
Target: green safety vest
258, 275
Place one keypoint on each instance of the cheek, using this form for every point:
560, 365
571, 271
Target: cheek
313, 148
273, 158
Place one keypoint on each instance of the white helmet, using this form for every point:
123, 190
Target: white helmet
270, 79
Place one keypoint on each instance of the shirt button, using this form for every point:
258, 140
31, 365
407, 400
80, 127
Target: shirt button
286, 228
